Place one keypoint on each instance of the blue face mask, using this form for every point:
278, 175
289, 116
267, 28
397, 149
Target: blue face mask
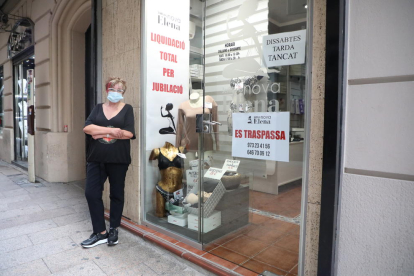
114, 97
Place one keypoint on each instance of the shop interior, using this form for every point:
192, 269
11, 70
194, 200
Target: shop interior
250, 213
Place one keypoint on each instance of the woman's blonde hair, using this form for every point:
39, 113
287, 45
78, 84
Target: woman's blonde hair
112, 81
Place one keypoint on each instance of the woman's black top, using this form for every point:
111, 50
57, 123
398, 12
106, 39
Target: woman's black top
164, 162
107, 150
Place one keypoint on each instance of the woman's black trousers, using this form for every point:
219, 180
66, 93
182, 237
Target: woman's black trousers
96, 175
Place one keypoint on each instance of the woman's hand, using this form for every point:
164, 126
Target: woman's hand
116, 132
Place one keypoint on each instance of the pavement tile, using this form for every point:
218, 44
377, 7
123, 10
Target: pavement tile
72, 218
17, 198
42, 215
165, 264
21, 204
186, 272
16, 192
137, 270
14, 244
54, 187
8, 186
81, 207
28, 254
9, 171
73, 257
25, 229
61, 203
19, 212
68, 194
35, 268
59, 232
130, 257
85, 269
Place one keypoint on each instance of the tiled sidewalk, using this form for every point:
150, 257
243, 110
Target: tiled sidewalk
42, 224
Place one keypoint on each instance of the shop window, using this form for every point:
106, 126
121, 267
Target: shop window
225, 127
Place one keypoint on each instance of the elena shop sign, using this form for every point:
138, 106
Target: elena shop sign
167, 68
21, 37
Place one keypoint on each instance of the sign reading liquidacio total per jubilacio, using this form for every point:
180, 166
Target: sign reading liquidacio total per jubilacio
284, 48
167, 68
261, 135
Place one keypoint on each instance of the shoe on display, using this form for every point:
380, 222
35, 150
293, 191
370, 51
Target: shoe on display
113, 236
95, 239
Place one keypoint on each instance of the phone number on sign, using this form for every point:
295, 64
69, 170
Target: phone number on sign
258, 145
258, 152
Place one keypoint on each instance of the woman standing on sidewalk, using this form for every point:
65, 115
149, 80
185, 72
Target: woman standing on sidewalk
111, 126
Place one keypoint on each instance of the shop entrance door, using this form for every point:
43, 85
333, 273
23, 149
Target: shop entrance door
252, 133
20, 108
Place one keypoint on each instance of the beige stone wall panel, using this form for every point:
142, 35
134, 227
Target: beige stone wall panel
316, 137
126, 65
42, 27
121, 57
42, 50
43, 119
41, 154
8, 86
40, 7
312, 239
43, 73
109, 23
4, 38
7, 145
8, 102
56, 148
3, 55
43, 96
8, 70
8, 119
135, 144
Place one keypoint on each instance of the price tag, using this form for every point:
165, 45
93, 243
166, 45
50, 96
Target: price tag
231, 165
214, 173
208, 105
192, 181
182, 155
178, 194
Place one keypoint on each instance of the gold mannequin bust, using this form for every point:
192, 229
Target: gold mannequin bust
171, 167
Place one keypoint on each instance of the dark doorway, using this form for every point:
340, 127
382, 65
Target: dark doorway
90, 94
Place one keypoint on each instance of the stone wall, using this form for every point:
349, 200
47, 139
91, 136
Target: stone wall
121, 46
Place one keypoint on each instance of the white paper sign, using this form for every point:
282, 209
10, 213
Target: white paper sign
284, 48
261, 135
192, 177
214, 173
166, 67
231, 165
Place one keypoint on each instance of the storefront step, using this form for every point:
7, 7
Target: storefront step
201, 258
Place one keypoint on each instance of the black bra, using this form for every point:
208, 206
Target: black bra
164, 162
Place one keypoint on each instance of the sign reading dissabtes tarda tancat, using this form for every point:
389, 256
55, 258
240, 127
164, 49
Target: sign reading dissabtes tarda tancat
261, 135
284, 48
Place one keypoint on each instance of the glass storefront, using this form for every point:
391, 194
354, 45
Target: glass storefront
21, 95
224, 126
